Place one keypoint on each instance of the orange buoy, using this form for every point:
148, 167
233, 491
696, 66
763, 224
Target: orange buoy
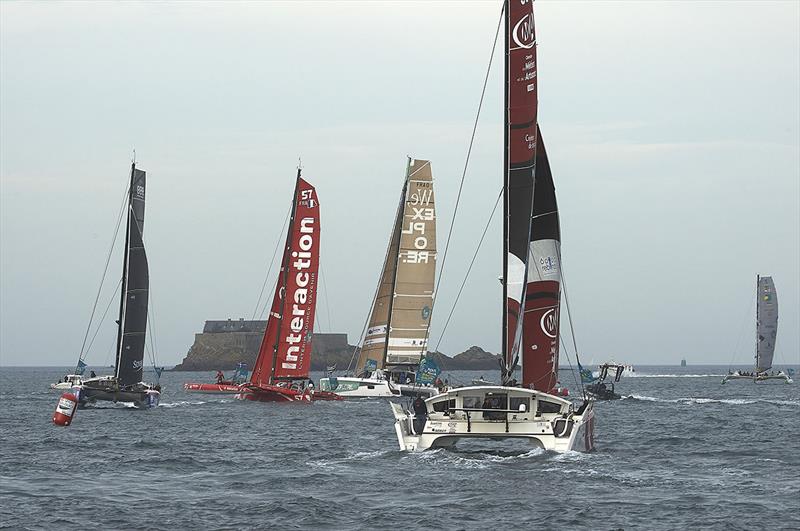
65, 410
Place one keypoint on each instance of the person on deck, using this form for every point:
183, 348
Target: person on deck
220, 377
420, 415
92, 374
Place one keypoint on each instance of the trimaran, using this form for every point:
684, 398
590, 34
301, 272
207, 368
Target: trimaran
281, 371
396, 336
766, 334
531, 292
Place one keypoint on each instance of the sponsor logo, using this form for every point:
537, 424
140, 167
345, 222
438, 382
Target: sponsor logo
549, 323
137, 364
426, 312
139, 191
523, 30
304, 282
548, 263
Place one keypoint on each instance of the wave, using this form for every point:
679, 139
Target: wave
638, 375
703, 400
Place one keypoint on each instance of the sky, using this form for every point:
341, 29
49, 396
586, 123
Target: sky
673, 131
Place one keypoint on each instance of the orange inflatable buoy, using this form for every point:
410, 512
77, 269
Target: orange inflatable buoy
65, 410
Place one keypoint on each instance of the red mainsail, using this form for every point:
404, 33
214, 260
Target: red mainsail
520, 155
285, 352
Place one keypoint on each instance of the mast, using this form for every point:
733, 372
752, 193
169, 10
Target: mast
124, 287
520, 139
285, 275
758, 303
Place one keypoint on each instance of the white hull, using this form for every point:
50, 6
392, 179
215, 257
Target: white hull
547, 421
351, 387
762, 377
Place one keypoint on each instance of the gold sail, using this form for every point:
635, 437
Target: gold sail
398, 326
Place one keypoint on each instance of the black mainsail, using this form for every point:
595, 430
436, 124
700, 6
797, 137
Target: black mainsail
135, 289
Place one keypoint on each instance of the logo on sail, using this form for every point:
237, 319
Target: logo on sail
523, 31
549, 323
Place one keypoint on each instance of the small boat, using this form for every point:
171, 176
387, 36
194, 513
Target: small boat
602, 391
281, 371
766, 334
597, 387
70, 381
126, 384
221, 386
531, 284
396, 338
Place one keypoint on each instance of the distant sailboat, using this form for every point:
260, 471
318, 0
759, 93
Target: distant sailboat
531, 293
397, 334
126, 384
281, 372
766, 334
683, 362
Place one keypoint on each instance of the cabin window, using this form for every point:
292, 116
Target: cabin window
444, 405
547, 407
494, 401
516, 401
473, 402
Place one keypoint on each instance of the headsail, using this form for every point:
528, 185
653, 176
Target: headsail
766, 323
520, 155
285, 352
398, 326
135, 289
542, 312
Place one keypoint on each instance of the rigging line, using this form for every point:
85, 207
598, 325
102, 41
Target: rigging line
569, 317
105, 271
100, 323
748, 310
271, 265
469, 269
152, 328
325, 294
398, 213
466, 161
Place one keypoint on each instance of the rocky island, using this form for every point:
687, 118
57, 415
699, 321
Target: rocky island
223, 344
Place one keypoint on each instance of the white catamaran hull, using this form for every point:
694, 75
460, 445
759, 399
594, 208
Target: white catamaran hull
762, 377
351, 387
449, 421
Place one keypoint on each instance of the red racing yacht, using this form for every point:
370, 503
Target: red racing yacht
281, 370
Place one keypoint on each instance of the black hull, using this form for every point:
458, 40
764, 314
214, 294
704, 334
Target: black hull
140, 399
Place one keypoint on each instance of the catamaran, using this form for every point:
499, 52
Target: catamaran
531, 293
281, 372
396, 338
126, 384
766, 334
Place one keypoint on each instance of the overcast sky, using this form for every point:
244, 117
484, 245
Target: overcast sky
673, 130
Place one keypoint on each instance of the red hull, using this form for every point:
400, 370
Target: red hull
225, 389
274, 393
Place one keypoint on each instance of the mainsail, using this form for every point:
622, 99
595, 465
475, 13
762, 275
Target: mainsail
285, 352
541, 324
519, 166
766, 323
397, 333
135, 289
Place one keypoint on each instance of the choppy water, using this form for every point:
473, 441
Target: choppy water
682, 452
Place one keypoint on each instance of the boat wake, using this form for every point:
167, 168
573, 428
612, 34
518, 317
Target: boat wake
702, 400
638, 375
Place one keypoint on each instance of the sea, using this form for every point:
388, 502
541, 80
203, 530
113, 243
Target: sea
679, 451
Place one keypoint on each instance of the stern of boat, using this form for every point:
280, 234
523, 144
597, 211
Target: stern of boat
582, 439
403, 427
